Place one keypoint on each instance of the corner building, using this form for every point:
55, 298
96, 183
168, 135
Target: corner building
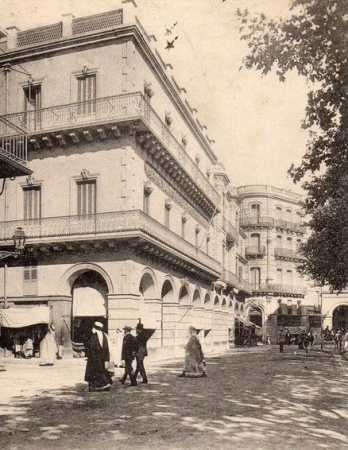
127, 214
273, 222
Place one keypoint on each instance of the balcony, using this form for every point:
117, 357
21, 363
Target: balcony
279, 289
109, 117
232, 234
13, 152
254, 221
233, 280
255, 251
133, 228
287, 254
289, 225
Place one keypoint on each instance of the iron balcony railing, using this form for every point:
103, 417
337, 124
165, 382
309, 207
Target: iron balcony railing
268, 221
108, 224
287, 253
232, 279
279, 289
125, 107
255, 251
13, 142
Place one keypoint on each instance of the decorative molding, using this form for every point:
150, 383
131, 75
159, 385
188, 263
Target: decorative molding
157, 179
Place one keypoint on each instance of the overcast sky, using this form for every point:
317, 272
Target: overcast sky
255, 121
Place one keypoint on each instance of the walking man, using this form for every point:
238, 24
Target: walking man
129, 350
281, 341
141, 352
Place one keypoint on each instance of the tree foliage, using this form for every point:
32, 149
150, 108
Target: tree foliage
313, 41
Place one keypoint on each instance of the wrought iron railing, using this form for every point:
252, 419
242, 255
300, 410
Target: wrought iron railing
289, 225
280, 252
255, 251
125, 107
254, 220
279, 289
105, 225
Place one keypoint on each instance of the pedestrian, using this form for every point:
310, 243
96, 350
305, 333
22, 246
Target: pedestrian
281, 340
287, 337
129, 351
28, 348
17, 348
98, 360
48, 347
311, 338
338, 340
194, 358
141, 352
345, 342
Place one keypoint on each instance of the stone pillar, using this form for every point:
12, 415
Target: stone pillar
123, 309
61, 318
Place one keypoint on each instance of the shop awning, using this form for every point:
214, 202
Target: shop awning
247, 322
88, 302
24, 317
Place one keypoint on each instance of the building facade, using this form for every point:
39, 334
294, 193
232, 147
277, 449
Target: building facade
273, 222
128, 214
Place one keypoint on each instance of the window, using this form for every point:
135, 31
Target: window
86, 197
32, 106
289, 242
289, 277
255, 210
255, 240
30, 273
183, 227
279, 212
279, 276
255, 277
279, 240
240, 273
32, 202
86, 93
146, 201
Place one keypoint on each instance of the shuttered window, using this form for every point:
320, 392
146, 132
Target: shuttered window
86, 197
86, 93
32, 202
30, 273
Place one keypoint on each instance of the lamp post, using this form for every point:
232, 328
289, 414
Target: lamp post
19, 244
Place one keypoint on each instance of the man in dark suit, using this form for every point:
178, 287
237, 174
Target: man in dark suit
141, 352
129, 350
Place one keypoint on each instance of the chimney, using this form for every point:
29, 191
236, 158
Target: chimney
12, 37
129, 11
67, 20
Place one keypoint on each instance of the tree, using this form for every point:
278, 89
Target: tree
313, 41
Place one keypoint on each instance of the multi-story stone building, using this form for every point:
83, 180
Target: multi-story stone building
272, 219
127, 214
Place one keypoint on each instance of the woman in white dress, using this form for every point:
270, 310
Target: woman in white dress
48, 348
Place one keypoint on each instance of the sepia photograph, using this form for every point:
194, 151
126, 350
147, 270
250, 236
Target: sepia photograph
173, 224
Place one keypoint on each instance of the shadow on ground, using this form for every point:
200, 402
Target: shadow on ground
258, 401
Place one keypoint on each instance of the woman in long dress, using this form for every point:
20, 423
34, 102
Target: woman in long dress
98, 360
48, 348
194, 358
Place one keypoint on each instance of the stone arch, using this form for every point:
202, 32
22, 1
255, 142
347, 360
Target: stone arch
196, 298
340, 317
70, 276
224, 303
216, 300
207, 299
167, 291
148, 284
184, 295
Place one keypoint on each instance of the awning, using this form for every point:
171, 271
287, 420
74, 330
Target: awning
247, 322
24, 317
88, 302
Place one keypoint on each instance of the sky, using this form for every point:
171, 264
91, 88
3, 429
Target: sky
255, 121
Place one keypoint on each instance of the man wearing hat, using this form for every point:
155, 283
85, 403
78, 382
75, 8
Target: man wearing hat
98, 357
141, 351
129, 350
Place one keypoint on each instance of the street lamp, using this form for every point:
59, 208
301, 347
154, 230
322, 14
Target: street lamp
19, 244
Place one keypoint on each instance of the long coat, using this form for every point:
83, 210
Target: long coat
193, 357
141, 344
97, 355
129, 347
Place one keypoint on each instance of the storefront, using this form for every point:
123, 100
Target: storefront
20, 324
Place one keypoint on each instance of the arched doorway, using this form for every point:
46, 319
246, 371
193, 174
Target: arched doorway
147, 292
255, 315
89, 304
167, 297
340, 317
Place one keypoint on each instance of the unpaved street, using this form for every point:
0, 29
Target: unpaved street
256, 399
